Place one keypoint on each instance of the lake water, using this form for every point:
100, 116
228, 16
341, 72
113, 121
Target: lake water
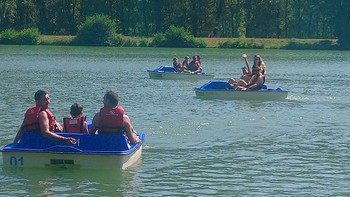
193, 147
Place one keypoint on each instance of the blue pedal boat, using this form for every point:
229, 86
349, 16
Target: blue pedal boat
218, 89
169, 72
107, 151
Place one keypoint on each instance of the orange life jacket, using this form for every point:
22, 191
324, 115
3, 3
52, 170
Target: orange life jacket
111, 120
73, 125
31, 119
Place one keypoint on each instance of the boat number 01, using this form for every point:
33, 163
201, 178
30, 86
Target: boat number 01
14, 161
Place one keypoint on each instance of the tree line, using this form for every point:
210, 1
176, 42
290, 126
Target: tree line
203, 18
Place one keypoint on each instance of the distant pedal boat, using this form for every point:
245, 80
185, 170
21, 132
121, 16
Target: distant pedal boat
108, 151
169, 72
217, 89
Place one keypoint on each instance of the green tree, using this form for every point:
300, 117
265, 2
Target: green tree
177, 37
97, 30
342, 23
8, 14
219, 18
29, 36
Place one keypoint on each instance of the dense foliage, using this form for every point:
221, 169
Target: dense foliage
23, 37
177, 37
202, 18
241, 45
96, 31
321, 45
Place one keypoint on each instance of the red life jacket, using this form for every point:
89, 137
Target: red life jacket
31, 119
111, 120
177, 65
185, 63
73, 125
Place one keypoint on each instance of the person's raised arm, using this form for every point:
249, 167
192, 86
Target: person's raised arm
246, 62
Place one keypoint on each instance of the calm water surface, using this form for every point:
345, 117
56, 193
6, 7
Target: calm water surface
193, 147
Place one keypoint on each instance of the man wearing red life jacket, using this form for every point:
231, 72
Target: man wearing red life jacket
39, 118
194, 66
112, 120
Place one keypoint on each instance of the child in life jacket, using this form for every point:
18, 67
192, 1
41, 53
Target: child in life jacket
77, 123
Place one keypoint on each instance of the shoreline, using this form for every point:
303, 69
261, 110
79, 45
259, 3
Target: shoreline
268, 43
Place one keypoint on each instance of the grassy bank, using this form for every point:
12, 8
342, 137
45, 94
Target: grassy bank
211, 42
269, 43
56, 40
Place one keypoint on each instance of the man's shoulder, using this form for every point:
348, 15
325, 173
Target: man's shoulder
42, 114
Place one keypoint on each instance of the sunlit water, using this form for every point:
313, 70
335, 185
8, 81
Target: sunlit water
193, 147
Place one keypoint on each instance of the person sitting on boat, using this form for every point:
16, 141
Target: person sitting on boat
194, 66
255, 78
185, 63
233, 82
77, 123
112, 120
258, 74
257, 81
39, 118
199, 62
177, 65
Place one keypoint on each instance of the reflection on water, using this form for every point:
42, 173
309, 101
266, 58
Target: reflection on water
58, 181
